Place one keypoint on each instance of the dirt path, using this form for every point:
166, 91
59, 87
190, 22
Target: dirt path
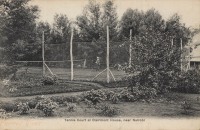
7, 99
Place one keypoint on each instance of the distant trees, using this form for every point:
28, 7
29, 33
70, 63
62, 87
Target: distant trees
19, 27
21, 35
92, 27
89, 22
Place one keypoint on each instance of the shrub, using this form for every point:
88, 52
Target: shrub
32, 103
47, 106
49, 80
6, 70
58, 99
187, 82
71, 107
114, 98
95, 96
186, 106
126, 95
107, 110
4, 114
139, 93
23, 108
88, 103
9, 107
146, 93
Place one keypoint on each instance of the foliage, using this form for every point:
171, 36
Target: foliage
113, 97
19, 26
8, 106
186, 82
71, 107
4, 114
23, 108
109, 18
126, 96
186, 106
6, 70
138, 93
107, 110
130, 20
90, 22
95, 96
49, 80
47, 106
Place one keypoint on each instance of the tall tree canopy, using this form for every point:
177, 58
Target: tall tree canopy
131, 19
109, 18
19, 26
89, 22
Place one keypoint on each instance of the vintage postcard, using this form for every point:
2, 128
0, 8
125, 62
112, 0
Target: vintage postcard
99, 64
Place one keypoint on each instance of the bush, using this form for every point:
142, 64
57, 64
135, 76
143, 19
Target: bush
9, 107
23, 108
126, 95
4, 114
49, 80
186, 106
95, 96
6, 70
71, 107
187, 82
151, 77
139, 93
47, 106
109, 111
32, 103
114, 97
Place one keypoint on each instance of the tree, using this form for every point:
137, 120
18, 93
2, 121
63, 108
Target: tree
19, 26
131, 19
46, 28
152, 20
177, 30
156, 60
109, 18
89, 23
61, 29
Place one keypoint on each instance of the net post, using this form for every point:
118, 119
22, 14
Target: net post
71, 56
43, 64
107, 56
130, 49
181, 54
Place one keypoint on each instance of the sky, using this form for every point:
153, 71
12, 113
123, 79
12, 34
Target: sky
189, 10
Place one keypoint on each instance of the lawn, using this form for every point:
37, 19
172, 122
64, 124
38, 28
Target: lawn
165, 106
67, 95
79, 73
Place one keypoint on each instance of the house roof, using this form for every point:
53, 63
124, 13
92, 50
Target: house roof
196, 50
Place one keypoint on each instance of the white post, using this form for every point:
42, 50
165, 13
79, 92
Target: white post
130, 49
43, 63
71, 56
108, 77
172, 41
181, 54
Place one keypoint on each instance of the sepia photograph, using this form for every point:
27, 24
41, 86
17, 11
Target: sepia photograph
99, 64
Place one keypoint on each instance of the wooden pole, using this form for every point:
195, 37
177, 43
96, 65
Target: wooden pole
130, 50
71, 56
107, 58
181, 54
43, 64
